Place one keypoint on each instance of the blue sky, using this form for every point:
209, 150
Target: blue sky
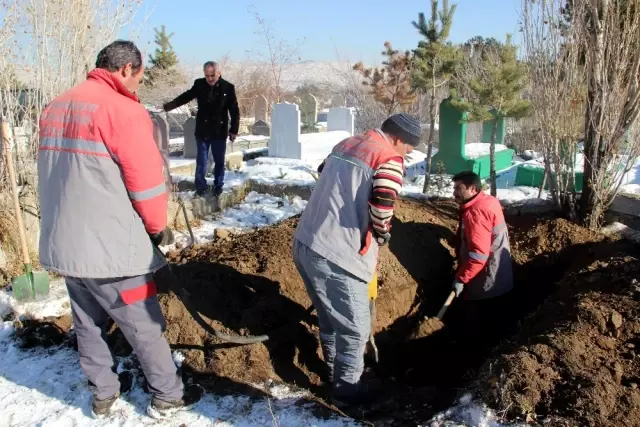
331, 29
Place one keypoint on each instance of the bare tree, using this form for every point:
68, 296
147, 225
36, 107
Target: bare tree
279, 55
46, 48
610, 34
552, 51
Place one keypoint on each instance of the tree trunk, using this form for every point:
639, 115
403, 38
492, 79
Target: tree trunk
544, 182
432, 125
492, 158
590, 203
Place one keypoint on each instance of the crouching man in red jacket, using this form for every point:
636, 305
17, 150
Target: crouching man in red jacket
484, 278
103, 204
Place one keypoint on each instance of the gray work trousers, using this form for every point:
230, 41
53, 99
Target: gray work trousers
341, 301
132, 303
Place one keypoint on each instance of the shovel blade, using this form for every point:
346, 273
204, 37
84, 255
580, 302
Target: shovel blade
41, 283
22, 288
29, 286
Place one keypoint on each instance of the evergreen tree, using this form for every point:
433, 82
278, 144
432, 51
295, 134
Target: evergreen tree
435, 61
391, 84
164, 57
496, 93
164, 61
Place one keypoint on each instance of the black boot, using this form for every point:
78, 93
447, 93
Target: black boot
365, 391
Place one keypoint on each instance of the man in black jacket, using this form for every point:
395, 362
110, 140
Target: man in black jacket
216, 102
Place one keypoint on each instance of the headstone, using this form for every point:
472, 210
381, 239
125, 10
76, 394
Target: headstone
309, 110
285, 131
341, 118
338, 101
291, 99
190, 150
161, 137
260, 108
261, 127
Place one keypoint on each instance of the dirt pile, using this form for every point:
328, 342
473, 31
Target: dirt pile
248, 284
574, 317
575, 359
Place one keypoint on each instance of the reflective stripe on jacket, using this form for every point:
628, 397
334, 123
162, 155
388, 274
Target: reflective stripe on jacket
336, 222
484, 254
100, 183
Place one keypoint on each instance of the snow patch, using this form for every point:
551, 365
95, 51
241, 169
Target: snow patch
47, 387
475, 150
467, 412
54, 305
256, 210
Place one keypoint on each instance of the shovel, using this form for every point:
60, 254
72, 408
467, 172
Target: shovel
31, 284
373, 294
432, 325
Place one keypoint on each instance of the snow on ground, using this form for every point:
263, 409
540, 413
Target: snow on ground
241, 138
478, 149
256, 210
56, 304
266, 170
46, 387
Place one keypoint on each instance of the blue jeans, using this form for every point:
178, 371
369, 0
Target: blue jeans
341, 301
218, 149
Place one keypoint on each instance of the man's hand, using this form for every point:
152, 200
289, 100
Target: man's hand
163, 238
232, 137
458, 287
383, 239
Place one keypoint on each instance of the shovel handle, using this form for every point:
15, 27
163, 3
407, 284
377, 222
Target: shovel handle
446, 305
14, 188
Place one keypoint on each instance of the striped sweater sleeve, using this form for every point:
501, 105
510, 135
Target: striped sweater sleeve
387, 183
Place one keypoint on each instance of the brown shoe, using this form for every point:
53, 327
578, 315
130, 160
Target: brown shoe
161, 409
102, 407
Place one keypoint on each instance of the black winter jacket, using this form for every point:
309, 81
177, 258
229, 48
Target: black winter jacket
215, 104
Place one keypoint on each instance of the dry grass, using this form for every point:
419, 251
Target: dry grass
10, 244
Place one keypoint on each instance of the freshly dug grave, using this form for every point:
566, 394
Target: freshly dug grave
247, 284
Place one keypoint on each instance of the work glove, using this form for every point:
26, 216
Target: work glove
383, 239
163, 238
458, 287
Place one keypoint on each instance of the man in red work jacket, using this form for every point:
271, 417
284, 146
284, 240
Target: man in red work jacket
484, 276
103, 203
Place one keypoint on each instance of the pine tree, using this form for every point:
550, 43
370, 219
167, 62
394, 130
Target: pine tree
435, 61
391, 84
164, 61
496, 93
164, 57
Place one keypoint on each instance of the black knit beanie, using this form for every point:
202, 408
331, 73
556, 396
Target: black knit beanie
403, 126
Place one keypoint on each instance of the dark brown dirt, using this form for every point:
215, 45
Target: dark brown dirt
575, 360
249, 285
561, 357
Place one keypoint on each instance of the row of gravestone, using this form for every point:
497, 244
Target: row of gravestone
308, 110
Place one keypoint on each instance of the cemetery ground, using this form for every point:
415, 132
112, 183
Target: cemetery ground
567, 352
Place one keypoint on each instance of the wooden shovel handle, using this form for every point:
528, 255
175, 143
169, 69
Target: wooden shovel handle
446, 305
14, 188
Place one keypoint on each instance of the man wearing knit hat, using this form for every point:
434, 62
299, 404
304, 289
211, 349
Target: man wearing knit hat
336, 243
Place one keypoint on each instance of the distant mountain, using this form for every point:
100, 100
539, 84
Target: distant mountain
321, 73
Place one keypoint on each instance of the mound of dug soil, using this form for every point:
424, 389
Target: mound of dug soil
575, 360
248, 284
